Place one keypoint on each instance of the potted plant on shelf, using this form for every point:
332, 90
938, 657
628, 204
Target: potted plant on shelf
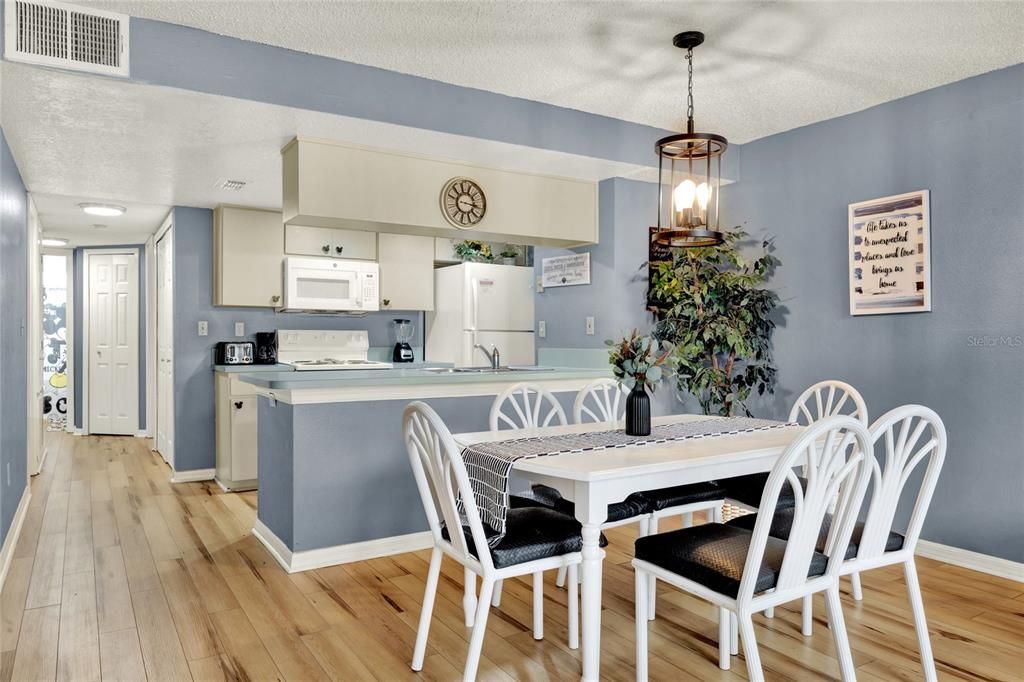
713, 306
509, 254
474, 251
639, 362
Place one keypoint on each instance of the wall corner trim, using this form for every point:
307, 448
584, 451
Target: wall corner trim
193, 475
984, 563
294, 562
13, 533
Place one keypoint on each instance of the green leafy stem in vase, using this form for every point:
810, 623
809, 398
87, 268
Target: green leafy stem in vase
640, 359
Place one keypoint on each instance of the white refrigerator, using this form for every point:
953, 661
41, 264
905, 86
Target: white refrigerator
480, 304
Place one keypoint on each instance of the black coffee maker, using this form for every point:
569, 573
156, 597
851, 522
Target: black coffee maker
266, 348
404, 331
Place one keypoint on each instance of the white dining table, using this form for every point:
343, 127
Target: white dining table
595, 479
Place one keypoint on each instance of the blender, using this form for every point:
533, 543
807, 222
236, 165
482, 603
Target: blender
404, 330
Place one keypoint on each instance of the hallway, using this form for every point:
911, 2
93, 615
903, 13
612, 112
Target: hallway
119, 574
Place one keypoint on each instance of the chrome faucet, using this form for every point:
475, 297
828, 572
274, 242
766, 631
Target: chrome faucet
494, 357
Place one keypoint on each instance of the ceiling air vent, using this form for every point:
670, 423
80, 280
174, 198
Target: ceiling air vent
66, 36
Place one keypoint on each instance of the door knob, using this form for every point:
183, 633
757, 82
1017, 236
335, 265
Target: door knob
238, 404
339, 249
325, 248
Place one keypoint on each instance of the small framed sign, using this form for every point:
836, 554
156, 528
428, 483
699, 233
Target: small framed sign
566, 271
890, 255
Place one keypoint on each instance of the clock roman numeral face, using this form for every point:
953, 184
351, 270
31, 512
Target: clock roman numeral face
463, 203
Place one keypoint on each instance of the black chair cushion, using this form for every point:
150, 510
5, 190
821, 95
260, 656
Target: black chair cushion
713, 554
531, 533
748, 490
620, 511
782, 523
666, 498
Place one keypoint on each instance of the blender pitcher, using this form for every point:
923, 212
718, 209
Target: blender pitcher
404, 330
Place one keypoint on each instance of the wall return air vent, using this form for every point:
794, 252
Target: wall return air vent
66, 36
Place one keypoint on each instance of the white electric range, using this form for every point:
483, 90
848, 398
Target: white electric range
319, 349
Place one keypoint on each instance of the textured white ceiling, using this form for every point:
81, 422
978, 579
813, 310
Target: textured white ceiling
61, 217
105, 139
766, 66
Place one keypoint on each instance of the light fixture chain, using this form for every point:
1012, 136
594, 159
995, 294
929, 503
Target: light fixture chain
689, 84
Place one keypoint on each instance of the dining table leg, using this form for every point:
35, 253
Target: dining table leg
591, 584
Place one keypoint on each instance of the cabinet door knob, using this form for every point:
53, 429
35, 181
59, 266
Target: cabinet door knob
339, 249
275, 298
326, 248
238, 404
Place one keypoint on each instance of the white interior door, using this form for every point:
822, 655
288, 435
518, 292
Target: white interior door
113, 349
165, 347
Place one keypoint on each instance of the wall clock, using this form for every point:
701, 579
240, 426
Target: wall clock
463, 203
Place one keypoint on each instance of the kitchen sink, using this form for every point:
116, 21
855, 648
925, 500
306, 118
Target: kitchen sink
485, 370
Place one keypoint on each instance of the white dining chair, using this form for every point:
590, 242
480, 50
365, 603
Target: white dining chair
603, 400
824, 399
526, 406
532, 534
908, 437
743, 572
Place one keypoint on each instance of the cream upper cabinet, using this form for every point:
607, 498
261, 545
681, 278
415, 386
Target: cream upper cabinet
248, 247
301, 240
406, 271
326, 184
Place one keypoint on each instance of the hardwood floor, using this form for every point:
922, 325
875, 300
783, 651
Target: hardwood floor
121, 575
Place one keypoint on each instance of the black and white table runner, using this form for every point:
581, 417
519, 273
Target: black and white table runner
489, 464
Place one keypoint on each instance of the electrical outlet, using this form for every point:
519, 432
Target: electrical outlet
540, 285
590, 326
239, 328
202, 328
542, 329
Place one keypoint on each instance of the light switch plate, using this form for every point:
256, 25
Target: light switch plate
542, 329
590, 326
202, 328
239, 328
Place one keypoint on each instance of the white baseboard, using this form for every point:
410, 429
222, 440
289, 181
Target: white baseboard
294, 562
985, 563
13, 533
142, 434
193, 475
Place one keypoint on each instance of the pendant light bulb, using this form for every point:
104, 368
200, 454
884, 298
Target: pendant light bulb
703, 192
684, 195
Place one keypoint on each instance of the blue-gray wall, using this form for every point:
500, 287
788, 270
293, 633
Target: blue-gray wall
194, 444
13, 347
965, 143
192, 59
616, 296
78, 325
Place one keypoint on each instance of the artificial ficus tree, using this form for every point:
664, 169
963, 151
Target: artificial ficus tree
712, 305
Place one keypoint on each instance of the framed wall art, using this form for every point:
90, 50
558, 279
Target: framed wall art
890, 255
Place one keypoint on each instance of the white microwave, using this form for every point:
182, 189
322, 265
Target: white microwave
327, 284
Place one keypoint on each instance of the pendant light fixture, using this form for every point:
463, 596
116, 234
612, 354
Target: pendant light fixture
691, 164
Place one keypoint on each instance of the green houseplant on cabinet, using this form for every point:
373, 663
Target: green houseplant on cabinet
639, 362
474, 251
509, 254
713, 306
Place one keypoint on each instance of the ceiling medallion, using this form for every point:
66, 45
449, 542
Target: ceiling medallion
691, 163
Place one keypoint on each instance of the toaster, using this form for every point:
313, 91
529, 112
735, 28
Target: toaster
234, 353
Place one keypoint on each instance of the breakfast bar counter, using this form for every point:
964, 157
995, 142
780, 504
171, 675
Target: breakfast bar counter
335, 483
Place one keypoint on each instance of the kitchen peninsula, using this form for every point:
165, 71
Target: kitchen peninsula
335, 484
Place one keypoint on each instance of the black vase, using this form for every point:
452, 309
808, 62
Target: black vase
638, 411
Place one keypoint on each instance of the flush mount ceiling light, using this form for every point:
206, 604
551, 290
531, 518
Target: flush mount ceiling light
53, 241
691, 163
108, 210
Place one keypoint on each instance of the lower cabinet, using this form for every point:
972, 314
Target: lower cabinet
236, 433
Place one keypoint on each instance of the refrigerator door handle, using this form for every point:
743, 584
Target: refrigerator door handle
475, 292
